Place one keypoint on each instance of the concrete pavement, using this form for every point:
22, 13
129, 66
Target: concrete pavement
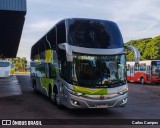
9, 86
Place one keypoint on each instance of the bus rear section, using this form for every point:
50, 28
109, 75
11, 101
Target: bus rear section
144, 72
5, 68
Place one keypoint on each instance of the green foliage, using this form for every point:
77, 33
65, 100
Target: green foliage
19, 63
149, 48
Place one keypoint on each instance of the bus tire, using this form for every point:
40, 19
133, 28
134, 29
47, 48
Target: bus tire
50, 92
34, 87
56, 98
142, 81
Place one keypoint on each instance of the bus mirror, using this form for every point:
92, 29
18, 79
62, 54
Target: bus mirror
67, 47
136, 53
74, 79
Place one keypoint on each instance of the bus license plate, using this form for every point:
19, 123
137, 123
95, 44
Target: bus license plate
102, 106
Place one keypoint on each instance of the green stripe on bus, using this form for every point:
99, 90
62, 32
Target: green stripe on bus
97, 91
45, 82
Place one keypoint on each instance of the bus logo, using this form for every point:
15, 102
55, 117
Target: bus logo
6, 122
101, 97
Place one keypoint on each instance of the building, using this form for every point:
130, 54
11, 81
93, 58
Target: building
12, 17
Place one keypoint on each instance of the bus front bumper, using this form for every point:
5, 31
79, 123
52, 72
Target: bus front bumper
81, 102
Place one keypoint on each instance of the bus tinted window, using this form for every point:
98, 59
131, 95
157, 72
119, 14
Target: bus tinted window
143, 67
155, 62
94, 34
128, 67
4, 64
61, 33
51, 39
136, 67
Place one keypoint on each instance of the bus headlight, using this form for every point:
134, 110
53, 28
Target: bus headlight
74, 102
123, 92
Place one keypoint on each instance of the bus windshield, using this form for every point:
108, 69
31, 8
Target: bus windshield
95, 34
98, 71
156, 68
4, 64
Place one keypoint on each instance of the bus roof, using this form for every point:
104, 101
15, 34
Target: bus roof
108, 37
4, 61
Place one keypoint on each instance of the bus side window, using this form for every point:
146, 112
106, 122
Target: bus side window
51, 39
132, 69
128, 67
40, 70
148, 68
136, 67
143, 67
52, 71
61, 33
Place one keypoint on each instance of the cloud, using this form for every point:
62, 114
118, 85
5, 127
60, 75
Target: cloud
136, 19
41, 26
31, 34
39, 2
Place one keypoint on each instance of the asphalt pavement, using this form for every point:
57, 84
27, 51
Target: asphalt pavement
9, 86
18, 101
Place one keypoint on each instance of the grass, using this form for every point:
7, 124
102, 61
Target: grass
22, 73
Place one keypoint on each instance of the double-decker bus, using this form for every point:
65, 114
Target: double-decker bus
81, 63
147, 71
5, 68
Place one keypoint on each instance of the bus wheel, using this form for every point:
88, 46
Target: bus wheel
56, 98
50, 93
34, 87
142, 80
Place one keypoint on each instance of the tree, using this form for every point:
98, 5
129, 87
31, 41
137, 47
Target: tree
149, 48
19, 63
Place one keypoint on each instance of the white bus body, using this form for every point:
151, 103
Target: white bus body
5, 68
147, 71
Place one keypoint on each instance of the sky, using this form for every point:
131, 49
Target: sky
136, 19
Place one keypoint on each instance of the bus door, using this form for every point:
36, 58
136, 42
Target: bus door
148, 73
128, 72
132, 73
62, 80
